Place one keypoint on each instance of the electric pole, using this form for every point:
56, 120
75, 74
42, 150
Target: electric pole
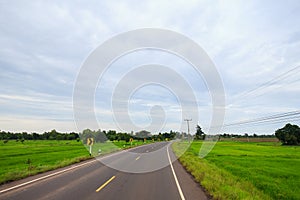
188, 125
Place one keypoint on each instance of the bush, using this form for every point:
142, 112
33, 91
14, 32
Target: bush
289, 134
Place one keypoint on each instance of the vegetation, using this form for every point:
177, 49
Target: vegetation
24, 154
245, 135
112, 146
200, 135
239, 170
111, 135
51, 135
99, 136
19, 160
289, 134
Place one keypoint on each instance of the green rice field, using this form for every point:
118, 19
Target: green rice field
19, 160
245, 170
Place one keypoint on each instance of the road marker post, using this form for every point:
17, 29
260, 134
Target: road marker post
90, 142
131, 140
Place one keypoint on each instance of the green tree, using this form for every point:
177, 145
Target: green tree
143, 134
100, 136
86, 133
289, 134
200, 135
111, 135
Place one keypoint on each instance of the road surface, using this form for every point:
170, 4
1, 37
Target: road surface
102, 180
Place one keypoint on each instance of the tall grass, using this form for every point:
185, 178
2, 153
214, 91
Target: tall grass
237, 170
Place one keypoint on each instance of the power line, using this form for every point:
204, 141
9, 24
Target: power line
281, 117
266, 118
269, 83
272, 119
275, 121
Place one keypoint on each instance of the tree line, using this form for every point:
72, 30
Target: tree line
51, 135
246, 135
99, 136
288, 135
112, 135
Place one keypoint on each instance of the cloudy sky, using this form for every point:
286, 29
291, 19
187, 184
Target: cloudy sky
255, 46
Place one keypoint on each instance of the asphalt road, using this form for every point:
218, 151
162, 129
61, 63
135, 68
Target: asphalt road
113, 178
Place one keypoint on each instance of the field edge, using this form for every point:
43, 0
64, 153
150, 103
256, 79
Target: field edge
218, 183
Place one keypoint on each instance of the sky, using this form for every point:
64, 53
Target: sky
45, 43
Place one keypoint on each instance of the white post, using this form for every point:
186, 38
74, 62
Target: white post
188, 125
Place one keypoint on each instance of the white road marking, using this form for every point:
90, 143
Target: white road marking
138, 157
56, 173
44, 177
66, 170
175, 177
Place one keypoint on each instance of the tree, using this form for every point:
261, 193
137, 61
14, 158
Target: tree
86, 133
143, 134
35, 136
111, 135
100, 136
289, 134
200, 135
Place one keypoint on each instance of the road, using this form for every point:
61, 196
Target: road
112, 177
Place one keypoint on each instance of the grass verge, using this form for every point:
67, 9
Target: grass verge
238, 170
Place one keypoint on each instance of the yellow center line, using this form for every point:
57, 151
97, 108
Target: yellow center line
107, 182
138, 158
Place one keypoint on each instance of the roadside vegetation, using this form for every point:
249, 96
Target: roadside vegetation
245, 170
102, 148
22, 159
97, 135
289, 134
25, 154
30, 157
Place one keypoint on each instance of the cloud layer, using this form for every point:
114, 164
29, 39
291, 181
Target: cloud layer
43, 45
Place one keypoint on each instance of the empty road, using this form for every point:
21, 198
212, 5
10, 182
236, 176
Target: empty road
112, 177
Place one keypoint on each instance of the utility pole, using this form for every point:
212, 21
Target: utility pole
188, 125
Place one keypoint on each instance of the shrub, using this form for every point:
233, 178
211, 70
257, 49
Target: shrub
289, 134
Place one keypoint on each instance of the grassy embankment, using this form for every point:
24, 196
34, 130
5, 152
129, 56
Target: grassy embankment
242, 170
32, 157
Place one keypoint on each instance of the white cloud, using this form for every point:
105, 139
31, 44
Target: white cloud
43, 45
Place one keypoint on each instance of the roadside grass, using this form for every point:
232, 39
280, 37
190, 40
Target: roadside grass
112, 146
241, 170
19, 160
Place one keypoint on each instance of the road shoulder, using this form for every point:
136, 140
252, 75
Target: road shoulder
191, 188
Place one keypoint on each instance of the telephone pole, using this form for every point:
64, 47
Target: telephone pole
188, 125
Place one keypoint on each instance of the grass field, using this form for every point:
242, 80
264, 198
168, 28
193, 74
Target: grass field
242, 170
21, 160
32, 157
